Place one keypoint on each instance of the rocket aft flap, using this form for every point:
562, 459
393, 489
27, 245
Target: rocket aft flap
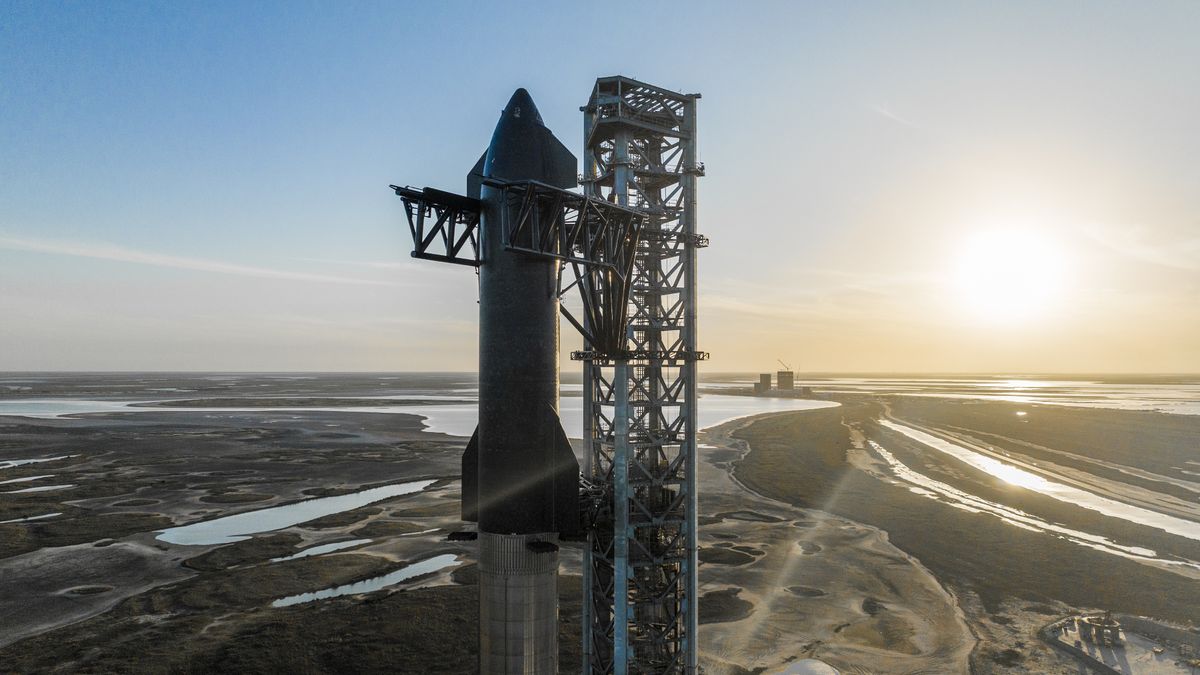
555, 484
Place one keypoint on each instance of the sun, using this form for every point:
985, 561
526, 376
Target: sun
1008, 276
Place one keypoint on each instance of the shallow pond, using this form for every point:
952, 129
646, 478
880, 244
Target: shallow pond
26, 479
714, 409
455, 419
10, 463
39, 488
323, 548
240, 526
1061, 491
428, 566
29, 518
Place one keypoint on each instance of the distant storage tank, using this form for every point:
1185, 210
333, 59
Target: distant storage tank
787, 379
764, 384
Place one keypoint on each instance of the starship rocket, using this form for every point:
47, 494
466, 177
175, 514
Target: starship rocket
520, 478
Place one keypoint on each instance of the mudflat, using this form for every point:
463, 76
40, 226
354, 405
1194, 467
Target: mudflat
788, 583
83, 564
811, 546
1009, 577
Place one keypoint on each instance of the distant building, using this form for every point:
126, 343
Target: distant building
787, 379
764, 384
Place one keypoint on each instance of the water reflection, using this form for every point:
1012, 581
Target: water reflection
39, 488
1181, 397
323, 548
29, 518
456, 419
25, 479
925, 486
1064, 493
239, 526
10, 463
427, 566
714, 409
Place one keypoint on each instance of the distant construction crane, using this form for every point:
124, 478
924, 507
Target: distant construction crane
785, 378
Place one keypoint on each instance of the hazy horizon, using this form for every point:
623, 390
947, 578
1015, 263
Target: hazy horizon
941, 189
573, 373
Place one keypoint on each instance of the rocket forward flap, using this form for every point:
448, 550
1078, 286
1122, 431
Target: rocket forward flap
475, 178
561, 165
470, 479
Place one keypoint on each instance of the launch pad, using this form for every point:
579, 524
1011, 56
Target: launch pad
624, 252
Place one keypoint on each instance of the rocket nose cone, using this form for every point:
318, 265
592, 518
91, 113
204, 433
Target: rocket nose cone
521, 107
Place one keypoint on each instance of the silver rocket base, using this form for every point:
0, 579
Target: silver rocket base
518, 604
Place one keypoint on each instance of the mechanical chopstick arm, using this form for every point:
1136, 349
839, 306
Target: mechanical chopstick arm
597, 240
442, 224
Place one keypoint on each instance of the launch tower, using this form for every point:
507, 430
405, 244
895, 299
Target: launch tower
626, 249
639, 471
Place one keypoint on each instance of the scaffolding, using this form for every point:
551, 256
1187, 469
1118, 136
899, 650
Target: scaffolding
639, 473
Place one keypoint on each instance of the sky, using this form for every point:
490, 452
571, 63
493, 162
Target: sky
906, 187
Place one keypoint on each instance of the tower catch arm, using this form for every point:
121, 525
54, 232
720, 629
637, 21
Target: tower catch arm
596, 240
455, 223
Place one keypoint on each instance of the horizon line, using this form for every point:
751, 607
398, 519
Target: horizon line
812, 373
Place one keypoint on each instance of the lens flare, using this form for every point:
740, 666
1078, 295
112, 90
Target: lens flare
1008, 276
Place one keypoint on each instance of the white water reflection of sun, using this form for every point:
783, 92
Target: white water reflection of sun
1008, 276
1014, 476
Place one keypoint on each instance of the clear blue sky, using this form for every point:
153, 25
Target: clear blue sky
204, 185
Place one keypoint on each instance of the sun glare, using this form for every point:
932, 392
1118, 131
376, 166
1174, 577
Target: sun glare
1008, 276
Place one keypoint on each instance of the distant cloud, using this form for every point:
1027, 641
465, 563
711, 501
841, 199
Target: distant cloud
818, 294
1132, 241
375, 324
886, 111
369, 264
104, 251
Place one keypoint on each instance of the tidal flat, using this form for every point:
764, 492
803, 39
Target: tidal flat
1012, 556
95, 578
812, 545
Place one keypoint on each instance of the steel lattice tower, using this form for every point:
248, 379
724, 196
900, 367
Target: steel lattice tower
640, 611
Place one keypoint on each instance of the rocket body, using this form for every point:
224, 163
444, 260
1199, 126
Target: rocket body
520, 477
